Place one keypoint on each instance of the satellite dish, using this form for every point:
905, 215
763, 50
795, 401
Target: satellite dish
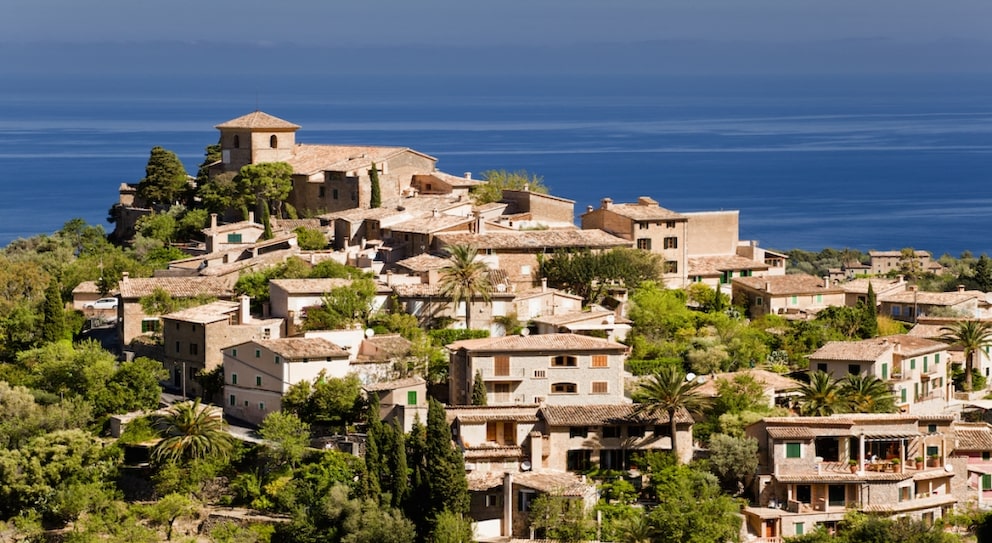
948, 468
369, 332
525, 332
525, 466
690, 376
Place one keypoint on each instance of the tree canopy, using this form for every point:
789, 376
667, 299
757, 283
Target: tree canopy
166, 181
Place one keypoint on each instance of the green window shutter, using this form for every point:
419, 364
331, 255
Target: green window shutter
924, 364
912, 363
936, 358
800, 528
411, 397
986, 481
902, 396
885, 372
793, 450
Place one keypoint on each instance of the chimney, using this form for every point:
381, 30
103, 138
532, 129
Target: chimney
606, 203
480, 223
251, 216
507, 530
826, 281
544, 284
896, 347
435, 213
244, 311
526, 187
389, 278
536, 450
960, 288
768, 286
588, 209
468, 175
213, 221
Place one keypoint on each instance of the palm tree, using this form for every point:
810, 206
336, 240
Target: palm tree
820, 397
669, 391
971, 336
867, 394
192, 431
465, 278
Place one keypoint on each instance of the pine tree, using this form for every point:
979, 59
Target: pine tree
166, 180
478, 390
376, 196
54, 325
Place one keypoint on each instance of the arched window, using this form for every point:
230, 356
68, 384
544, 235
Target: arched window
237, 141
273, 141
564, 388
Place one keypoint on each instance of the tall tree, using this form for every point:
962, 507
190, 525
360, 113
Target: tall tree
192, 431
820, 397
669, 391
53, 328
465, 278
165, 181
269, 183
375, 199
971, 336
870, 326
478, 390
374, 465
983, 273
446, 488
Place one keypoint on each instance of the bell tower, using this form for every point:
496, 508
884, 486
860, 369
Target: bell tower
255, 137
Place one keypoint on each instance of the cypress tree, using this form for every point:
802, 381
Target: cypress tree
53, 328
394, 460
416, 500
445, 467
376, 196
373, 455
870, 325
478, 390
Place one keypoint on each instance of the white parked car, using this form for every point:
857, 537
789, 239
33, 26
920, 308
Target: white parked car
102, 303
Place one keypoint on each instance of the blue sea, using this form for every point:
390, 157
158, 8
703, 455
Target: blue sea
866, 162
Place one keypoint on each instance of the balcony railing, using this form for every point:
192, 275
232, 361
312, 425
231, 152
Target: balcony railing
511, 374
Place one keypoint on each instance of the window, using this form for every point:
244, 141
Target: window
821, 367
662, 430
234, 378
177, 347
671, 243
793, 450
273, 141
757, 301
334, 194
524, 497
931, 428
258, 353
563, 361
644, 243
800, 528
194, 349
524, 270
578, 431
149, 325
794, 300
234, 352
643, 225
578, 460
501, 365
896, 311
246, 403
669, 224
600, 387
905, 493
936, 358
902, 395
912, 363
986, 456
234, 238
540, 374
600, 361
411, 397
320, 192
258, 380
635, 431
237, 141
670, 266
933, 450
611, 432
494, 500
232, 400
564, 388
854, 369
819, 298
986, 481
278, 359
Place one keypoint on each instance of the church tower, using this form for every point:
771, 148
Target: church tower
255, 137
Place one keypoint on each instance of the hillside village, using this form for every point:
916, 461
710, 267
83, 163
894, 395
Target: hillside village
558, 384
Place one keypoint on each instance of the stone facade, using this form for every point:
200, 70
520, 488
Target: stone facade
793, 294
557, 369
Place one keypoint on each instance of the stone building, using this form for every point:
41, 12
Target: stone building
795, 295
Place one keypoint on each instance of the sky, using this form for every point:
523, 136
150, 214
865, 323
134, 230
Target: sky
480, 23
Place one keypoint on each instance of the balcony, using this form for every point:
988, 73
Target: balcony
504, 374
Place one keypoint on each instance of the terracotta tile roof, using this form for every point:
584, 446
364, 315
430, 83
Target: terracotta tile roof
394, 384
430, 224
309, 159
642, 212
790, 432
538, 292
716, 265
926, 330
781, 285
577, 316
485, 413
177, 287
596, 415
559, 483
827, 477
258, 119
86, 287
534, 240
456, 181
296, 348
480, 481
878, 284
310, 286
405, 207
393, 344
897, 254
477, 453
932, 298
424, 262
261, 261
231, 226
291, 224
973, 438
537, 343
423, 290
767, 378
203, 314
867, 350
910, 345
